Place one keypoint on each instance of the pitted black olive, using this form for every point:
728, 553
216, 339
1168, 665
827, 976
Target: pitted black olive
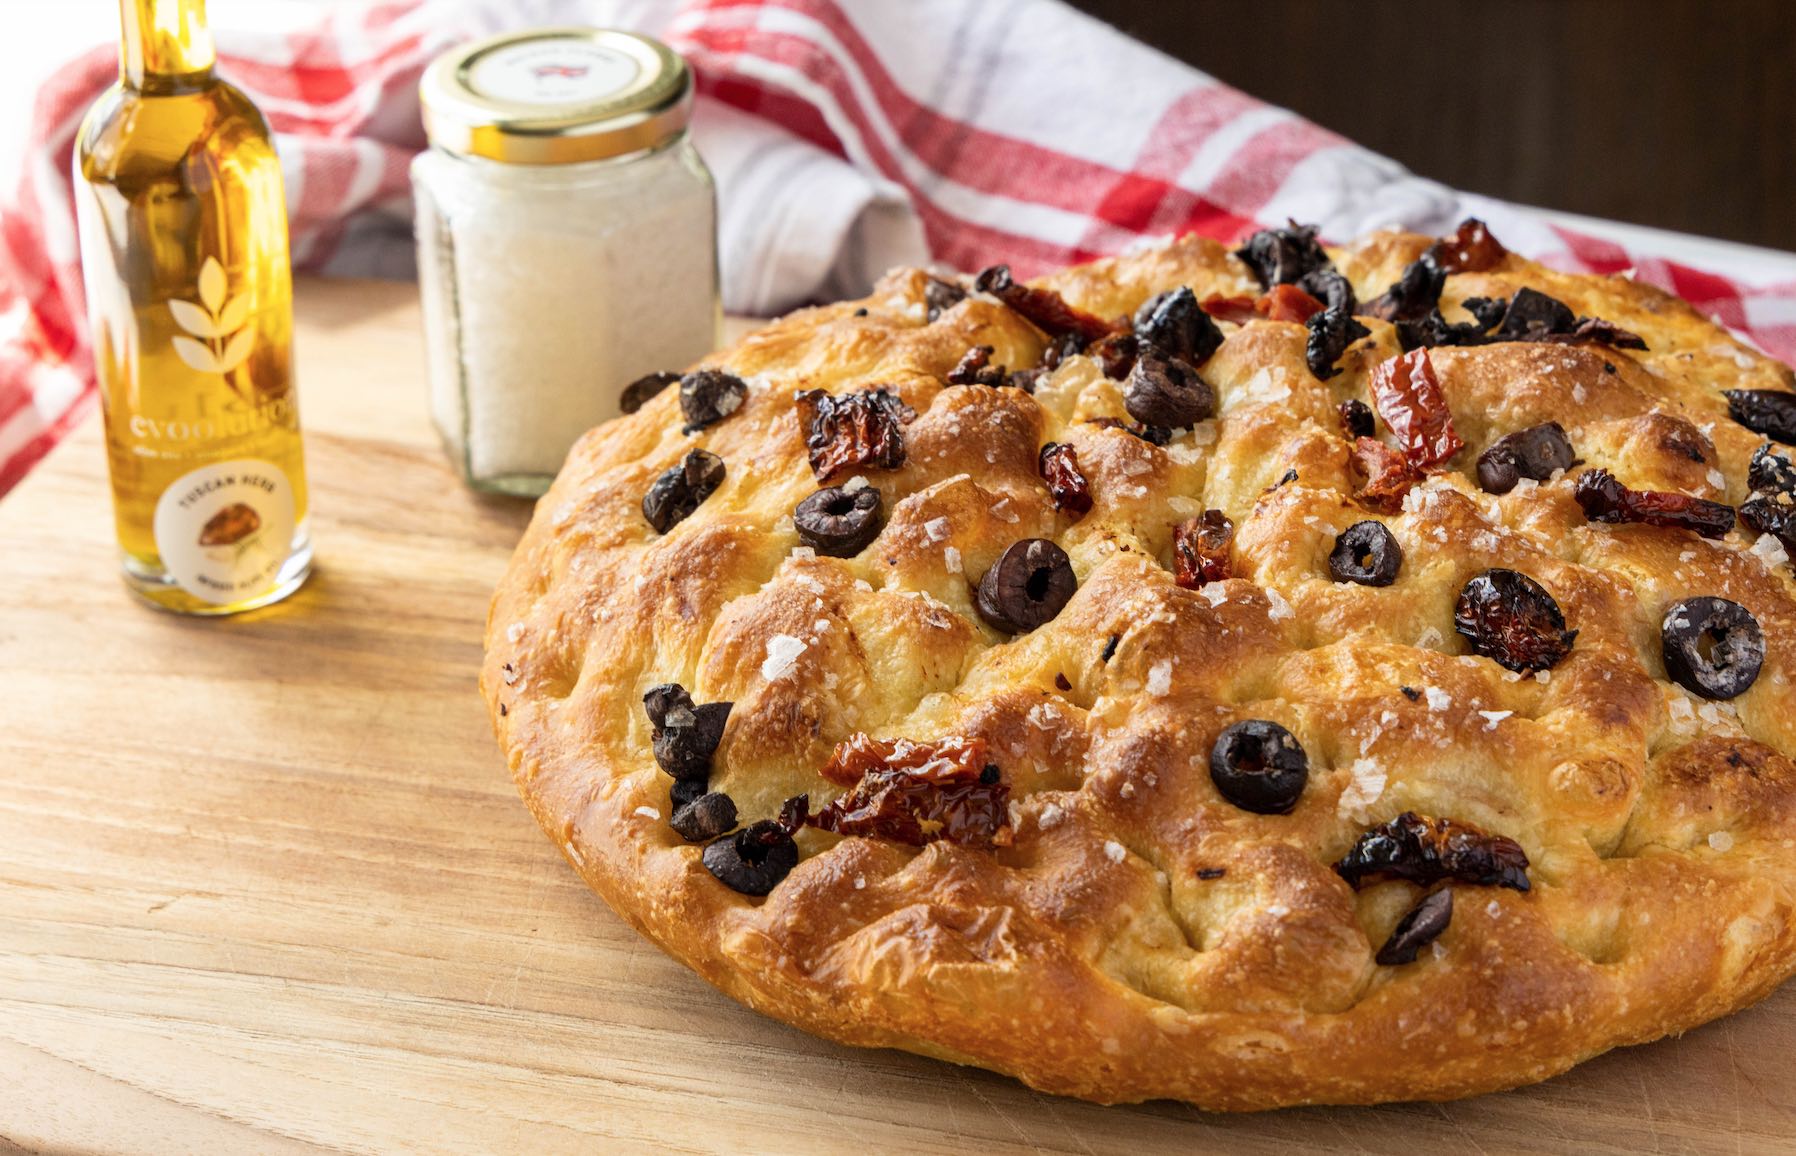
706, 817
1167, 393
680, 489
1534, 453
754, 859
1174, 323
1771, 412
1366, 553
1026, 586
1259, 766
1331, 332
639, 392
839, 522
1419, 927
1357, 420
1712, 647
685, 791
1283, 256
1532, 315
707, 396
686, 734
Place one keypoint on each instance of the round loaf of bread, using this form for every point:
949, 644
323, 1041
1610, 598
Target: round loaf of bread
1080, 881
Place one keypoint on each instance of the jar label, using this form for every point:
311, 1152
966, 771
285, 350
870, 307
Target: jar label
552, 71
224, 530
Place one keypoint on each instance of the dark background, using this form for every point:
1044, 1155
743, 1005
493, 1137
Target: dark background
1673, 113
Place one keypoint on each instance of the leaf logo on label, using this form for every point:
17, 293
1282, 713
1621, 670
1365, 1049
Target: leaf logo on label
218, 340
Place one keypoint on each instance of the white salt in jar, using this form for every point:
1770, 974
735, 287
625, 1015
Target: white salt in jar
567, 241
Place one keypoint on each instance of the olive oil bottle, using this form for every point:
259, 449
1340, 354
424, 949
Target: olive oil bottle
183, 226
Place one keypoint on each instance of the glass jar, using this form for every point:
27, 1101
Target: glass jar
567, 242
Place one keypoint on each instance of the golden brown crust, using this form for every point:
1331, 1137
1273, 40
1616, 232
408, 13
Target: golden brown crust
1142, 938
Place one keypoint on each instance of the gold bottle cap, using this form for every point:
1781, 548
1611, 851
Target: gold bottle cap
556, 96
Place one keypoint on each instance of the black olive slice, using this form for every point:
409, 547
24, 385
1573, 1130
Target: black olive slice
707, 396
1419, 927
704, 818
1259, 766
1026, 586
1166, 392
680, 489
1366, 553
754, 859
839, 522
1534, 453
639, 392
1712, 647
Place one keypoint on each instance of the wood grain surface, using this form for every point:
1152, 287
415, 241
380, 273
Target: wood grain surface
265, 885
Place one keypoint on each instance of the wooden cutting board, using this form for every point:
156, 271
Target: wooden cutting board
265, 885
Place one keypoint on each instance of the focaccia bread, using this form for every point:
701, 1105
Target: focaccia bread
1254, 678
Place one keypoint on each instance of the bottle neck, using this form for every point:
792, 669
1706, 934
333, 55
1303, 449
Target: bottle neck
165, 44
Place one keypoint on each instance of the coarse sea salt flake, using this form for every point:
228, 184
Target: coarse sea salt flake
514, 632
648, 812
1438, 699
1114, 851
1770, 551
936, 528
1721, 841
782, 655
1159, 678
1214, 593
951, 559
1364, 787
1493, 717
1278, 910
803, 552
1277, 606
855, 483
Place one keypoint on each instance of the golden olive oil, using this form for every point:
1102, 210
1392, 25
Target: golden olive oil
183, 227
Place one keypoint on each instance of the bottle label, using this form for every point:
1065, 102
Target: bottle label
225, 530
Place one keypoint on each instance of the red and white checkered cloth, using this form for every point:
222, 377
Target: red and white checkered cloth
846, 135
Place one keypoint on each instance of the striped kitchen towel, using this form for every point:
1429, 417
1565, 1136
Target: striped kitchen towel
846, 135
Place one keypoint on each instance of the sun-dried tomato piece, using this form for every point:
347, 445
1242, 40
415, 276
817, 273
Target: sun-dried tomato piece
1604, 499
1425, 851
1387, 473
1771, 412
1512, 620
1331, 332
1287, 303
1059, 465
1283, 256
1200, 549
1409, 398
1471, 249
916, 792
975, 368
849, 430
1042, 308
1239, 310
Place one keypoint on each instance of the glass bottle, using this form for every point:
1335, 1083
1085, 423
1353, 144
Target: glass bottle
183, 227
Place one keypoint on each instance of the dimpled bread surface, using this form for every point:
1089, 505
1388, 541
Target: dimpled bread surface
1141, 937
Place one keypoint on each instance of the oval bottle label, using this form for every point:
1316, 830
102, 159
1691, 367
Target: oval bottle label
224, 530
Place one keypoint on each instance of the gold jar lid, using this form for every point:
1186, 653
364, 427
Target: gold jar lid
556, 96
